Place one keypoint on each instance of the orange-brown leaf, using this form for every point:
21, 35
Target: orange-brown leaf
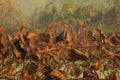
68, 37
1, 55
2, 28
16, 52
25, 75
8, 37
93, 13
111, 54
57, 74
31, 35
77, 55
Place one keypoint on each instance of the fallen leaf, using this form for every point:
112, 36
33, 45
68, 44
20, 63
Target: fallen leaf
76, 55
111, 54
31, 35
2, 29
57, 74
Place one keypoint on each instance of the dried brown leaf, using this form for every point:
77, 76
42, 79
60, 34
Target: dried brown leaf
57, 74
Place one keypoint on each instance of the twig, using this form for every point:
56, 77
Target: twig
82, 46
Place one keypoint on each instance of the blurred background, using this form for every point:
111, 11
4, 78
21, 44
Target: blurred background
36, 14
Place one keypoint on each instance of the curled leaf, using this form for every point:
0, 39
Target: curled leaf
1, 55
111, 54
12, 68
2, 29
57, 74
25, 75
31, 35
16, 52
77, 55
68, 37
98, 64
8, 37
3, 40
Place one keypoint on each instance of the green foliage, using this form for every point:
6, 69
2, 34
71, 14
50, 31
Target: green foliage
77, 10
10, 14
32, 12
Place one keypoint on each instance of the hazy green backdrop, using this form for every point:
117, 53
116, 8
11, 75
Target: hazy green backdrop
38, 13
